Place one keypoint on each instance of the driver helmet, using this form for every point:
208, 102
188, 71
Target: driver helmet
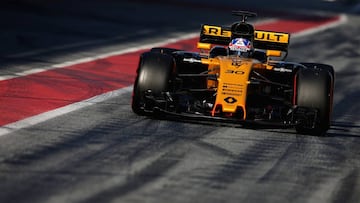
240, 47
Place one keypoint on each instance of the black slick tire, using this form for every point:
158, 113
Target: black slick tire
314, 89
153, 73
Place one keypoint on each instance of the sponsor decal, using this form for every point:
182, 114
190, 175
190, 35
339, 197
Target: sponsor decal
192, 60
272, 36
230, 100
269, 36
283, 70
237, 62
237, 72
216, 31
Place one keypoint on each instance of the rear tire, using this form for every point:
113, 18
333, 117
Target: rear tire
314, 89
154, 73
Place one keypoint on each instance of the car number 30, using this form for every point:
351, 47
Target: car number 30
237, 72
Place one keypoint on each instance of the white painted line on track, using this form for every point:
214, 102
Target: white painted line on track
30, 121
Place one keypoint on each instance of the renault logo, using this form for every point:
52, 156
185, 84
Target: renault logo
230, 100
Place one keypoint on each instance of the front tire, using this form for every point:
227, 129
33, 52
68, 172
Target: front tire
314, 89
154, 73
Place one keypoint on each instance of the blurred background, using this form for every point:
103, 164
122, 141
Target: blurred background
58, 25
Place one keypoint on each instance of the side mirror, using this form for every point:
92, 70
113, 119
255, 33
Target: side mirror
205, 46
274, 53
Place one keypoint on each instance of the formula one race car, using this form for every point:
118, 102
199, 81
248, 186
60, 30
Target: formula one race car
239, 75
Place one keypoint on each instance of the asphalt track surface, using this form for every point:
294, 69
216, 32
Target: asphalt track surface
105, 153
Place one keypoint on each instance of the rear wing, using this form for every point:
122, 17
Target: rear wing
267, 40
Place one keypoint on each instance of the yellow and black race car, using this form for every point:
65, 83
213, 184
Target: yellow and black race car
239, 75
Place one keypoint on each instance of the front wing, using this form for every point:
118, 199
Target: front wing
162, 114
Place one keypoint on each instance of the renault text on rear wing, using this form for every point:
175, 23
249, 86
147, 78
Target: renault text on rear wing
262, 39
